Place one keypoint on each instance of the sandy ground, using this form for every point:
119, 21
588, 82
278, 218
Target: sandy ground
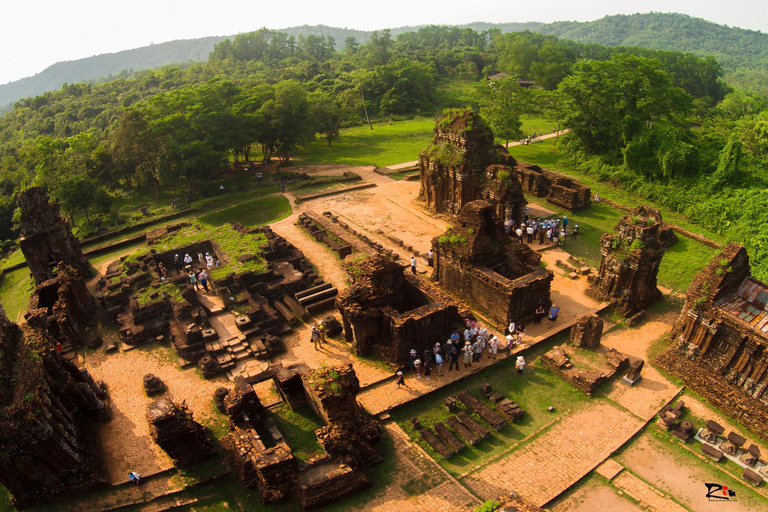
596, 496
649, 460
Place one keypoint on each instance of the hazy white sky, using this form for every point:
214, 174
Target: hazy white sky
37, 33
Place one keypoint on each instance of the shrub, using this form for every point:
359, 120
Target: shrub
488, 506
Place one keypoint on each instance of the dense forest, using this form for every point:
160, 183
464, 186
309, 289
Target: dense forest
661, 123
743, 54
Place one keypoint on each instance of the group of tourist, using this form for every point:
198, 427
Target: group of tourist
547, 230
197, 278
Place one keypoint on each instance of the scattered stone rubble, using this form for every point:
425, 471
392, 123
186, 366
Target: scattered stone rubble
585, 334
630, 260
476, 261
147, 308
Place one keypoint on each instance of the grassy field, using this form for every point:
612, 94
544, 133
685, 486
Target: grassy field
251, 213
15, 289
389, 143
544, 153
538, 389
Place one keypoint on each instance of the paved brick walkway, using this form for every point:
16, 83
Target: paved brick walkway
648, 496
550, 463
419, 484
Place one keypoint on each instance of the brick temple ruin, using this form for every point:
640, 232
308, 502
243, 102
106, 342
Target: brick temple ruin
147, 307
462, 164
719, 339
630, 259
478, 262
262, 460
48, 445
557, 189
58, 267
388, 312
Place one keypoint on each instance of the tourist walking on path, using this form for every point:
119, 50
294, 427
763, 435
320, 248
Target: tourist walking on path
193, 279
134, 477
553, 312
177, 263
520, 365
315, 336
417, 366
282, 186
575, 232
431, 258
454, 355
400, 381
439, 363
413, 264
203, 278
519, 233
565, 223
413, 356
539, 314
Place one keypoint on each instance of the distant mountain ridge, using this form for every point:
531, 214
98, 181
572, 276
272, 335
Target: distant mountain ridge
742, 53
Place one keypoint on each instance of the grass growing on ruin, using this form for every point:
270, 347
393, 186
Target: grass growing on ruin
144, 295
298, 427
15, 289
538, 389
251, 213
389, 143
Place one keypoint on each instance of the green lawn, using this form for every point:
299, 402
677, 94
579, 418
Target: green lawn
538, 389
543, 153
15, 289
389, 143
251, 213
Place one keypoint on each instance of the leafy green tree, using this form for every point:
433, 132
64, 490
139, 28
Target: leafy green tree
81, 193
608, 103
502, 102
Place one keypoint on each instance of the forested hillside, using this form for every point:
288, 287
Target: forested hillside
742, 53
660, 123
101, 66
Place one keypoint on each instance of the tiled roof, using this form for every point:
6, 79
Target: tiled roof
750, 304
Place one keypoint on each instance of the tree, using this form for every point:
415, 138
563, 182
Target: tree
82, 193
502, 102
607, 103
327, 114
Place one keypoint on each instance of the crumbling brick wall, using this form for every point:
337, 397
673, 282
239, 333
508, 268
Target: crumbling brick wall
462, 164
46, 238
477, 262
175, 431
555, 187
389, 313
720, 335
630, 259
48, 449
